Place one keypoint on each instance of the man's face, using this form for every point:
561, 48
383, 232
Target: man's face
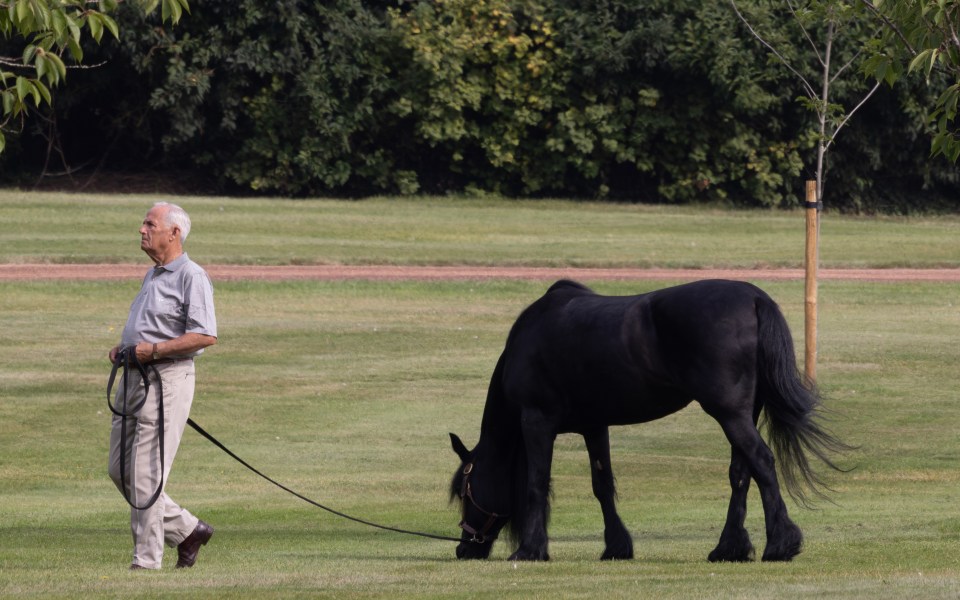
155, 235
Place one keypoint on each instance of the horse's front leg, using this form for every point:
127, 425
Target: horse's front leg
619, 545
539, 435
735, 545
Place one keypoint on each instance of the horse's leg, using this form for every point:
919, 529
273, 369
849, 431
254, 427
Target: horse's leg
538, 438
615, 535
784, 538
734, 545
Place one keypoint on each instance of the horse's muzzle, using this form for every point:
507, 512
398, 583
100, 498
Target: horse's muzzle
467, 550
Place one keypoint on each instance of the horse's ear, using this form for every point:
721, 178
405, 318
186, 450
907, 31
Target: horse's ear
459, 448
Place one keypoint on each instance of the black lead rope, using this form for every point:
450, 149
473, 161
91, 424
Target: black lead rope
217, 443
127, 359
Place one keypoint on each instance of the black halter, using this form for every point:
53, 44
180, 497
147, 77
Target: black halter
127, 359
481, 535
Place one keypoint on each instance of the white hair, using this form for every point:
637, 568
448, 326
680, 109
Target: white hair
178, 217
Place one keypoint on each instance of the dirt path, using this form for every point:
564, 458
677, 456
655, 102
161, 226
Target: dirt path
112, 272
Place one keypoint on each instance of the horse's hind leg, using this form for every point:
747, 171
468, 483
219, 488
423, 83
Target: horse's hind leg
784, 538
734, 545
615, 535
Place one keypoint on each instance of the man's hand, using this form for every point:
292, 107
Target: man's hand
144, 351
186, 344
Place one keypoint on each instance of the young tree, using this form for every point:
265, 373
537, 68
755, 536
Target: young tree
823, 24
50, 30
835, 21
925, 35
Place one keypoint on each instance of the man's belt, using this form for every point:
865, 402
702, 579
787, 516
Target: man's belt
164, 361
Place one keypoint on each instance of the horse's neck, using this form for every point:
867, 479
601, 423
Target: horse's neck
501, 441
503, 453
499, 422
499, 433
500, 436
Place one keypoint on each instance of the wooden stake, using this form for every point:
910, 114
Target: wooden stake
812, 262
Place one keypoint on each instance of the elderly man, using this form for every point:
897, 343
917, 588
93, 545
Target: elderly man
171, 321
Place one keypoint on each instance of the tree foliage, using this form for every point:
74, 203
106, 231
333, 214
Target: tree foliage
598, 98
923, 36
658, 101
835, 34
48, 31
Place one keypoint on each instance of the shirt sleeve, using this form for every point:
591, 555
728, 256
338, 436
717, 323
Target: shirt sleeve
198, 296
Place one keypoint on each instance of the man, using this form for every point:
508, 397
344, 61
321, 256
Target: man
171, 321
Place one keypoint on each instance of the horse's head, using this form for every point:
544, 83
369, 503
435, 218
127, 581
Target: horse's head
484, 503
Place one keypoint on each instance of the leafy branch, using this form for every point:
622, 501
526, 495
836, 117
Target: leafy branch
926, 33
51, 30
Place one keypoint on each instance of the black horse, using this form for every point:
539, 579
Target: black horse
578, 362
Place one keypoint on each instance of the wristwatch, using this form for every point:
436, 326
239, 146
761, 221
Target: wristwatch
156, 355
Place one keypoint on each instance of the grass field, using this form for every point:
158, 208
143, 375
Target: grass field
346, 391
89, 229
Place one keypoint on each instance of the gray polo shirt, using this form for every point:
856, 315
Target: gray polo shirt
174, 299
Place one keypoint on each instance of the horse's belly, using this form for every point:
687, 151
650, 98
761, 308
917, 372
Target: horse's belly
614, 410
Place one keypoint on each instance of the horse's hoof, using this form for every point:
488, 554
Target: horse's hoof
788, 545
621, 553
781, 554
618, 545
732, 555
733, 547
525, 555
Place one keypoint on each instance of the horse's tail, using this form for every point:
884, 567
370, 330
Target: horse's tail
792, 407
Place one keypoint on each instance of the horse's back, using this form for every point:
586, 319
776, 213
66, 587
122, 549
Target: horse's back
630, 358
705, 331
708, 305
698, 312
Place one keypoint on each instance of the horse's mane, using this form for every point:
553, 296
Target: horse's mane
568, 283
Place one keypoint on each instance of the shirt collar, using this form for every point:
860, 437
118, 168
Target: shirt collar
174, 264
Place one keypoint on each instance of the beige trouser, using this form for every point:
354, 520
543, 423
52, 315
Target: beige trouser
165, 521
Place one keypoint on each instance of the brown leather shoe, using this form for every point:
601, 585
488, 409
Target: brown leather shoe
189, 548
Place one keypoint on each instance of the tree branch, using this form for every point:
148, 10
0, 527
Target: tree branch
850, 114
18, 64
11, 62
956, 40
813, 44
810, 92
893, 26
851, 61
93, 66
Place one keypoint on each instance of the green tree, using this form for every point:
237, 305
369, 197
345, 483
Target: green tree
597, 98
288, 97
924, 36
51, 30
824, 25
658, 101
723, 126
483, 83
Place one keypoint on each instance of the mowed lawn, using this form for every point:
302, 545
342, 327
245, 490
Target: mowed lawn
346, 392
